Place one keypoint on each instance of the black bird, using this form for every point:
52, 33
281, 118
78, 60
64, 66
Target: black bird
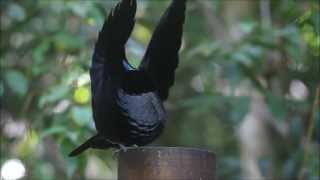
127, 103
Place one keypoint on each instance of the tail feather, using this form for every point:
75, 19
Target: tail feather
97, 142
83, 147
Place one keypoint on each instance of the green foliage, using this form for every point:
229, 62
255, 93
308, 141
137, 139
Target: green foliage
12, 77
45, 53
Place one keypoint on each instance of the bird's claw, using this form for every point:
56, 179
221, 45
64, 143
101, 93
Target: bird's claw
115, 153
122, 148
118, 149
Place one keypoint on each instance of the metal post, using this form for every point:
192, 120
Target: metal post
166, 163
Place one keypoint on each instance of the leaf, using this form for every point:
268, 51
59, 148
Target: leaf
242, 57
53, 130
72, 165
45, 169
200, 104
305, 16
39, 52
16, 12
65, 41
38, 56
82, 95
240, 107
248, 26
29, 144
81, 115
55, 93
80, 9
142, 33
278, 106
1, 89
17, 82
204, 49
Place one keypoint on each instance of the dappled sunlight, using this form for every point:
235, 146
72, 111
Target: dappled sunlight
82, 95
298, 90
12, 169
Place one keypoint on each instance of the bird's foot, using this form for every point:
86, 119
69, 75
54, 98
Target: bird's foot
122, 148
115, 153
117, 149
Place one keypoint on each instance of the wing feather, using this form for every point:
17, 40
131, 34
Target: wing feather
110, 47
162, 55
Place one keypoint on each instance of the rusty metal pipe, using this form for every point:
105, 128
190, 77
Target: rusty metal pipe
166, 163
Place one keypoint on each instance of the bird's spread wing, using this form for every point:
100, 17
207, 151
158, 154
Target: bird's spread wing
161, 58
110, 47
115, 33
109, 56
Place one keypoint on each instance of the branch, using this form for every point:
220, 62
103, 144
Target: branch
215, 26
265, 13
310, 130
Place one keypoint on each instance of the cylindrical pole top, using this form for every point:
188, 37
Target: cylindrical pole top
166, 163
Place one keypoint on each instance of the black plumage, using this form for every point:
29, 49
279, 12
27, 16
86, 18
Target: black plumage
127, 103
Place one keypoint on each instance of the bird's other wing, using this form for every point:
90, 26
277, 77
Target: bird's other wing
110, 47
161, 58
113, 36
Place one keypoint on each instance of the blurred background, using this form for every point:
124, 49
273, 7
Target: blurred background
247, 86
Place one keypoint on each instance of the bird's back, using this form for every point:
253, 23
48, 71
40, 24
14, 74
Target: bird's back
143, 116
